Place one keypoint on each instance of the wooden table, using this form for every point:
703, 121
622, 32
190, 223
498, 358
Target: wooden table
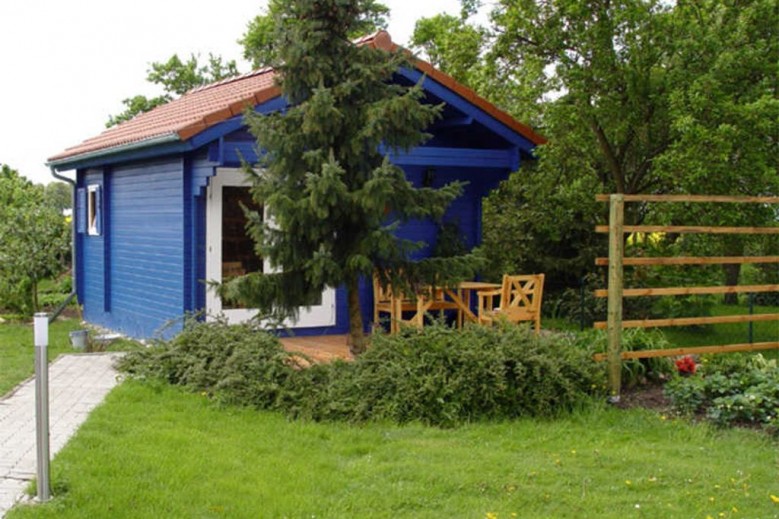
451, 298
462, 297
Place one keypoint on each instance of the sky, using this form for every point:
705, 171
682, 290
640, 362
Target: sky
66, 65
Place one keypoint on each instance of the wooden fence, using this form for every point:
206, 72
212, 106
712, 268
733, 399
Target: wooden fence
616, 291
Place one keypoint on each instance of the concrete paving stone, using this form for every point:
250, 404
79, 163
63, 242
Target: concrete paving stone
25, 474
11, 491
77, 384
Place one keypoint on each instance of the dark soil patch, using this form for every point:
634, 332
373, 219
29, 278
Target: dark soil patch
647, 396
71, 312
651, 396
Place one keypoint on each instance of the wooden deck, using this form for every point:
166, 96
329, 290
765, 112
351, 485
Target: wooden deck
319, 348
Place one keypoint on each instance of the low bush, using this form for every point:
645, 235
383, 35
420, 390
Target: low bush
636, 372
235, 364
741, 390
53, 292
673, 307
437, 376
442, 376
16, 296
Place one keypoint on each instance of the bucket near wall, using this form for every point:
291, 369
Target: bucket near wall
78, 339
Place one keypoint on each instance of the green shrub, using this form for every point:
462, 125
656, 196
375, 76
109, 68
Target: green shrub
638, 371
437, 376
50, 300
442, 376
687, 394
235, 364
579, 304
16, 296
738, 391
672, 307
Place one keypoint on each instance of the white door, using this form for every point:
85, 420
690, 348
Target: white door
230, 252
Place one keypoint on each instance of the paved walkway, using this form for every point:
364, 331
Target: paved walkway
77, 384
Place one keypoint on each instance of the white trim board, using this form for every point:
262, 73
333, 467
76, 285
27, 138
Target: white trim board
309, 317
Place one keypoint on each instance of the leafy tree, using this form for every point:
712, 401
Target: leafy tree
724, 111
465, 51
334, 198
598, 70
258, 40
550, 223
176, 78
34, 240
58, 195
451, 44
638, 96
607, 59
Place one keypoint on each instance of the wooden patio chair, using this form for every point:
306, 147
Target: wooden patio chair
386, 301
520, 300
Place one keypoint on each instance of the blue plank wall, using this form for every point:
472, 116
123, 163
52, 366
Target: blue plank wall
92, 255
144, 233
464, 211
153, 241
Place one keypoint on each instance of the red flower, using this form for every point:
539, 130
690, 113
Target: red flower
686, 365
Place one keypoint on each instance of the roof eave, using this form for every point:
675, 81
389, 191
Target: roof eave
71, 162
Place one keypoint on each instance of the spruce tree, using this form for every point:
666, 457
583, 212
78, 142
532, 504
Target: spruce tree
331, 197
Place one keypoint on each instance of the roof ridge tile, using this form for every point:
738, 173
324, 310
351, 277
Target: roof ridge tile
231, 79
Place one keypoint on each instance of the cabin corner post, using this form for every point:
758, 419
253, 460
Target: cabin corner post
614, 325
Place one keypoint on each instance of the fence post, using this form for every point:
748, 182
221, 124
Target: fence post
41, 339
614, 325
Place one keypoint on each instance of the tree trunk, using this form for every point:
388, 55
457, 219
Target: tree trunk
732, 273
357, 341
734, 246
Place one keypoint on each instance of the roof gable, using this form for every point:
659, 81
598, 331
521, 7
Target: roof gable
207, 106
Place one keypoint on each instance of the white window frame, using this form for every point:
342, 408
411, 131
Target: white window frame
93, 211
309, 317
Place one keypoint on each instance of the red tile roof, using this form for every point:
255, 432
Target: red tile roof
186, 116
206, 106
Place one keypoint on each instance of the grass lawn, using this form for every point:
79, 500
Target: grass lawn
17, 352
718, 334
711, 335
155, 451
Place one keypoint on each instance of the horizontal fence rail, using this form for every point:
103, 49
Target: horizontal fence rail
691, 321
616, 292
695, 199
691, 229
689, 291
692, 350
692, 260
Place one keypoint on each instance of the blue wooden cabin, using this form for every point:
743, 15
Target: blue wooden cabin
156, 206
